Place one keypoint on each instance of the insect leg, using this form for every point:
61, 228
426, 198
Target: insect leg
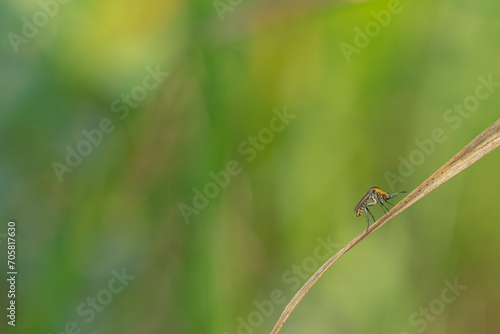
368, 219
380, 201
387, 201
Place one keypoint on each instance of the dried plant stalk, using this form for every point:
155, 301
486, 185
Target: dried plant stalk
483, 144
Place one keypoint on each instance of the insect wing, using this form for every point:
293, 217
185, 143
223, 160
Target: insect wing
362, 202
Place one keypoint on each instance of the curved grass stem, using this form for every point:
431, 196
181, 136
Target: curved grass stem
483, 144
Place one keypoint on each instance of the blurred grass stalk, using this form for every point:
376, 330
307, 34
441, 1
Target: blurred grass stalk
483, 144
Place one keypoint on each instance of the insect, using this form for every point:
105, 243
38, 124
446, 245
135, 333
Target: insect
375, 195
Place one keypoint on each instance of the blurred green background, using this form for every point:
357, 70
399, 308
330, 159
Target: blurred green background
238, 258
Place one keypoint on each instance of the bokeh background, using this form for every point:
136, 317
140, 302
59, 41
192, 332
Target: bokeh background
231, 66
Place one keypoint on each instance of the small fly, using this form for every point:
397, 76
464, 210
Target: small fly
374, 196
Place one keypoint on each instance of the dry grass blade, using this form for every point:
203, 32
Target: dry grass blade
483, 144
